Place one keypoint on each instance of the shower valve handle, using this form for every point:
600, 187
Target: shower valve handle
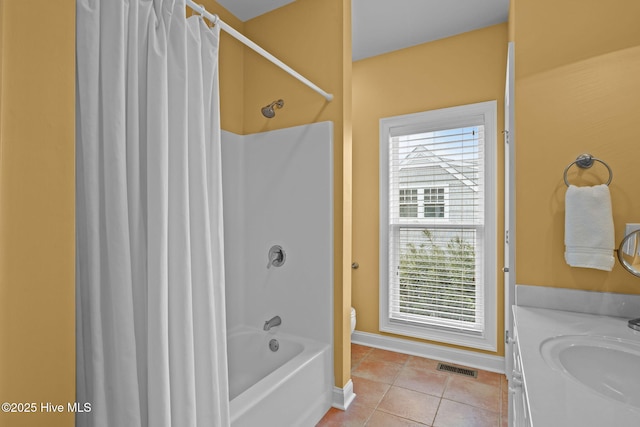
276, 256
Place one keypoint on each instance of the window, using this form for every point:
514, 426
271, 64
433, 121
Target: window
434, 202
438, 225
408, 203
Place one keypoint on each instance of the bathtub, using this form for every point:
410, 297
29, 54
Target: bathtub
289, 387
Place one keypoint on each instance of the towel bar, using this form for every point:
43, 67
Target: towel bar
585, 161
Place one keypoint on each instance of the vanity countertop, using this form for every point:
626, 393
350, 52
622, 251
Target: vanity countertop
555, 399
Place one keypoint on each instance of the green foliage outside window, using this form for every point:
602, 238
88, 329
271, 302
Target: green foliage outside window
438, 280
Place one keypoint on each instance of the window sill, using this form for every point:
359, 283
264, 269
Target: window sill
485, 341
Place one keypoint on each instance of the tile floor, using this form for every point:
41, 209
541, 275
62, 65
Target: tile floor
394, 389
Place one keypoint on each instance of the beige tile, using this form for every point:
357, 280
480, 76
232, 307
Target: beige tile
490, 378
473, 393
358, 352
424, 381
455, 414
394, 389
382, 419
387, 356
504, 402
330, 418
377, 370
422, 363
487, 377
410, 404
368, 392
355, 416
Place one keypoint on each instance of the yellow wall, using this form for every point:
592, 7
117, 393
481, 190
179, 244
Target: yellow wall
577, 90
230, 67
314, 38
37, 190
464, 69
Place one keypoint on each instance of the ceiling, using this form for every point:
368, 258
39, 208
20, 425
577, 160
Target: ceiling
247, 9
381, 26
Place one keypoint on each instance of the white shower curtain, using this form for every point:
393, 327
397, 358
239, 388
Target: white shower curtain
151, 345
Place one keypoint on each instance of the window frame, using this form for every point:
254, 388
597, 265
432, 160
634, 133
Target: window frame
484, 113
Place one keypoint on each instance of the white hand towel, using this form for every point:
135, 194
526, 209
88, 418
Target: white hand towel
588, 227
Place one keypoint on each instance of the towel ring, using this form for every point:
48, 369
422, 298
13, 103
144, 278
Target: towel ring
585, 161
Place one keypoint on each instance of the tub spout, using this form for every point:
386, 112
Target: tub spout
275, 321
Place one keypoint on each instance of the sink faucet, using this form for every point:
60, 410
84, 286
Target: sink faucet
275, 321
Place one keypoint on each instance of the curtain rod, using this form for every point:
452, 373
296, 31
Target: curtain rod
235, 34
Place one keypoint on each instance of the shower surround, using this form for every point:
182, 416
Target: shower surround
278, 190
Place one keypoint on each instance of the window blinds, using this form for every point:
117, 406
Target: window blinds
436, 228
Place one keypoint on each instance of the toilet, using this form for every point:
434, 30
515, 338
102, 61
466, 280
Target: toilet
353, 319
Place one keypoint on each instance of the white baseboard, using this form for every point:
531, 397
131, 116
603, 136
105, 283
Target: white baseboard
471, 359
342, 397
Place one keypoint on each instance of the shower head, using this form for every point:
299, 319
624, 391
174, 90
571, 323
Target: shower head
269, 110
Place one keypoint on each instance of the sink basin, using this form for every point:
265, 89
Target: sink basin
607, 365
